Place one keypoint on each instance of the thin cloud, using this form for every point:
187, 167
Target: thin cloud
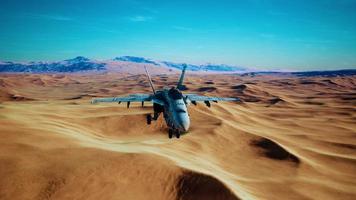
74, 22
50, 17
140, 18
149, 10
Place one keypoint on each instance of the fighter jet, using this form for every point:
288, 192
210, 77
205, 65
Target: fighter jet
169, 101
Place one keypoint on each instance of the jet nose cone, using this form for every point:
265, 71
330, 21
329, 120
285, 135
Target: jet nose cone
183, 122
184, 127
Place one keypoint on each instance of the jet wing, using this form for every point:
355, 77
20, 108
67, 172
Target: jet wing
194, 98
130, 98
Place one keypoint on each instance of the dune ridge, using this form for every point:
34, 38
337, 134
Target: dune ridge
286, 140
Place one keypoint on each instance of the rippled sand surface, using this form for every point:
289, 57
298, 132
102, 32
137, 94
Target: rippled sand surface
290, 138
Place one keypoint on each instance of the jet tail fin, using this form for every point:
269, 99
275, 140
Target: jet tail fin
150, 80
181, 79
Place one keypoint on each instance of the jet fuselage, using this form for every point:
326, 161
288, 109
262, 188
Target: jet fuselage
175, 110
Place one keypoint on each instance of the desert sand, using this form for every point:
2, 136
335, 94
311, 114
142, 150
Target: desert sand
289, 138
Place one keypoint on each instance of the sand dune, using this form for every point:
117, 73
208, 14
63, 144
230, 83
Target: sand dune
290, 138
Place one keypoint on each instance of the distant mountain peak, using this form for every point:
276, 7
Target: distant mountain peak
135, 59
78, 59
76, 64
206, 67
192, 67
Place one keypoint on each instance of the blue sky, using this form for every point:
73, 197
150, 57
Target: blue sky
274, 34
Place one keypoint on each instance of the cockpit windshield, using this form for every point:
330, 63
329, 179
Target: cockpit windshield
175, 94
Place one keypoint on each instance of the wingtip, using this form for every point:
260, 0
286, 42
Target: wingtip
237, 100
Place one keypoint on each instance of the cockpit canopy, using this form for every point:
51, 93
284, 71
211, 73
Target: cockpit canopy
175, 94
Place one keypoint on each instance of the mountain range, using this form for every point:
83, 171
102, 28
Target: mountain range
83, 64
66, 66
80, 63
